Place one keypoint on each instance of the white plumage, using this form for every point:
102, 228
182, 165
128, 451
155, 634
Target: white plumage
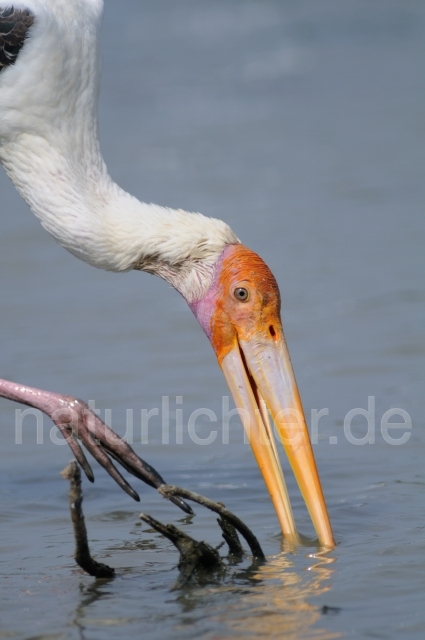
49, 147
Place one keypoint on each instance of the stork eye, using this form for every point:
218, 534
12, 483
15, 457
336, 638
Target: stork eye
241, 294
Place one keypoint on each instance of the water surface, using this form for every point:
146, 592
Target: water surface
302, 125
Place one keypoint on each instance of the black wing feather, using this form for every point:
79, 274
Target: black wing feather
14, 25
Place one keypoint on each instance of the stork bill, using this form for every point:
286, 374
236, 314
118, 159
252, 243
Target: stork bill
241, 315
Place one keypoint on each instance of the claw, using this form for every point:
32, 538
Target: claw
108, 443
101, 457
77, 451
133, 464
82, 461
179, 502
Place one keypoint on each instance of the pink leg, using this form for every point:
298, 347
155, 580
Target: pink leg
76, 421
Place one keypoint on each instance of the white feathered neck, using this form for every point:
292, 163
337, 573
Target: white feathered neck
49, 148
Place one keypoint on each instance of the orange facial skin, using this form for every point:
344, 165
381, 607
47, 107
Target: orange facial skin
259, 315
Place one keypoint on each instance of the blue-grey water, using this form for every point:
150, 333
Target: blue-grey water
301, 123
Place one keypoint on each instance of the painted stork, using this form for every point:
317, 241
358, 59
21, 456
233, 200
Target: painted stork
49, 86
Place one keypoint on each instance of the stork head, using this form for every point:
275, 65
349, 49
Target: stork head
240, 313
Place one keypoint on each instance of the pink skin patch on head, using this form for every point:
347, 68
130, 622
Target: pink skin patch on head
204, 308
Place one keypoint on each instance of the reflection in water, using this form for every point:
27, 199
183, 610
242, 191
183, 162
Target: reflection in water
272, 600
278, 604
91, 596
